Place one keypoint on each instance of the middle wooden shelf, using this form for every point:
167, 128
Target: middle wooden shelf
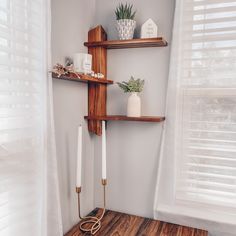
82, 78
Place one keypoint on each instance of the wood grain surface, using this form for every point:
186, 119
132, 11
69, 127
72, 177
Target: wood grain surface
126, 118
97, 93
83, 79
132, 43
121, 224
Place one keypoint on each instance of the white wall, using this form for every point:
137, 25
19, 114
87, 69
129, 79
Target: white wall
71, 20
133, 148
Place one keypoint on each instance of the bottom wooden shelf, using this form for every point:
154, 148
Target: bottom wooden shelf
126, 118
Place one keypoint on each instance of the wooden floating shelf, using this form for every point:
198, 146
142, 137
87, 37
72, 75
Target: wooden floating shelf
83, 78
154, 119
133, 43
97, 88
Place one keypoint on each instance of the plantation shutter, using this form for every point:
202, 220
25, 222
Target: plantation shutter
22, 111
206, 125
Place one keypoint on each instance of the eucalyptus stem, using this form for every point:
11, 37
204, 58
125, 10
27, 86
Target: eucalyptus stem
133, 85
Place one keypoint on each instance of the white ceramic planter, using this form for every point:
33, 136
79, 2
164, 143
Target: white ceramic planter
126, 29
134, 105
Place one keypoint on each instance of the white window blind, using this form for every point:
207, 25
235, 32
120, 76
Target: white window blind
206, 124
22, 112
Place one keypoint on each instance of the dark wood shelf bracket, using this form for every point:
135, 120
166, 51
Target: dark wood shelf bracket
97, 93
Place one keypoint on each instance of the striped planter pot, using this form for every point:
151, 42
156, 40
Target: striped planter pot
126, 29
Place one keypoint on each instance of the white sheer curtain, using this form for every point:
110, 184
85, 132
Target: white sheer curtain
29, 196
197, 173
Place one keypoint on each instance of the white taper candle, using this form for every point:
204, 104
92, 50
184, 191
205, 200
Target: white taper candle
104, 152
79, 158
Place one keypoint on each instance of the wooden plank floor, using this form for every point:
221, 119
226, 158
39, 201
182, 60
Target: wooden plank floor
120, 224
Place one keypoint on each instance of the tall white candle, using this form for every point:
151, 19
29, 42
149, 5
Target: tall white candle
104, 153
79, 158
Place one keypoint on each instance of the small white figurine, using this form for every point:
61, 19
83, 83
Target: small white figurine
149, 29
100, 76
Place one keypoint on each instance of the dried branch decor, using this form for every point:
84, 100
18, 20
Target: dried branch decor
64, 70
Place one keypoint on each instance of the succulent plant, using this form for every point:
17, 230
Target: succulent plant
124, 11
133, 85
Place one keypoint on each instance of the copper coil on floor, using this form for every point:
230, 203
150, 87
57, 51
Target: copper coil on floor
91, 224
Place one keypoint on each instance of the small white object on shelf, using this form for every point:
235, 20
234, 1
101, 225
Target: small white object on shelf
149, 29
83, 63
100, 76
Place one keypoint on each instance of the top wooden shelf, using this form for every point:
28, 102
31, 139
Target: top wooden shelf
133, 43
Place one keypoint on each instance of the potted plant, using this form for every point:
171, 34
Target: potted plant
125, 21
133, 86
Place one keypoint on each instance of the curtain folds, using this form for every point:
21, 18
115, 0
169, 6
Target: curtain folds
196, 184
29, 194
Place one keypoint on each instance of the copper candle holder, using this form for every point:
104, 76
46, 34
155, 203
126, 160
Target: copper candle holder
92, 224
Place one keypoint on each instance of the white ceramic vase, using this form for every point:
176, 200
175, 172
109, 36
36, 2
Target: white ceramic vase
134, 105
126, 29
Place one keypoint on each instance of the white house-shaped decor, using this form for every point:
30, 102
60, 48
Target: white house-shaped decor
149, 29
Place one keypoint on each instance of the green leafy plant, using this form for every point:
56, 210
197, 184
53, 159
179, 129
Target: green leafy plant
125, 11
133, 85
